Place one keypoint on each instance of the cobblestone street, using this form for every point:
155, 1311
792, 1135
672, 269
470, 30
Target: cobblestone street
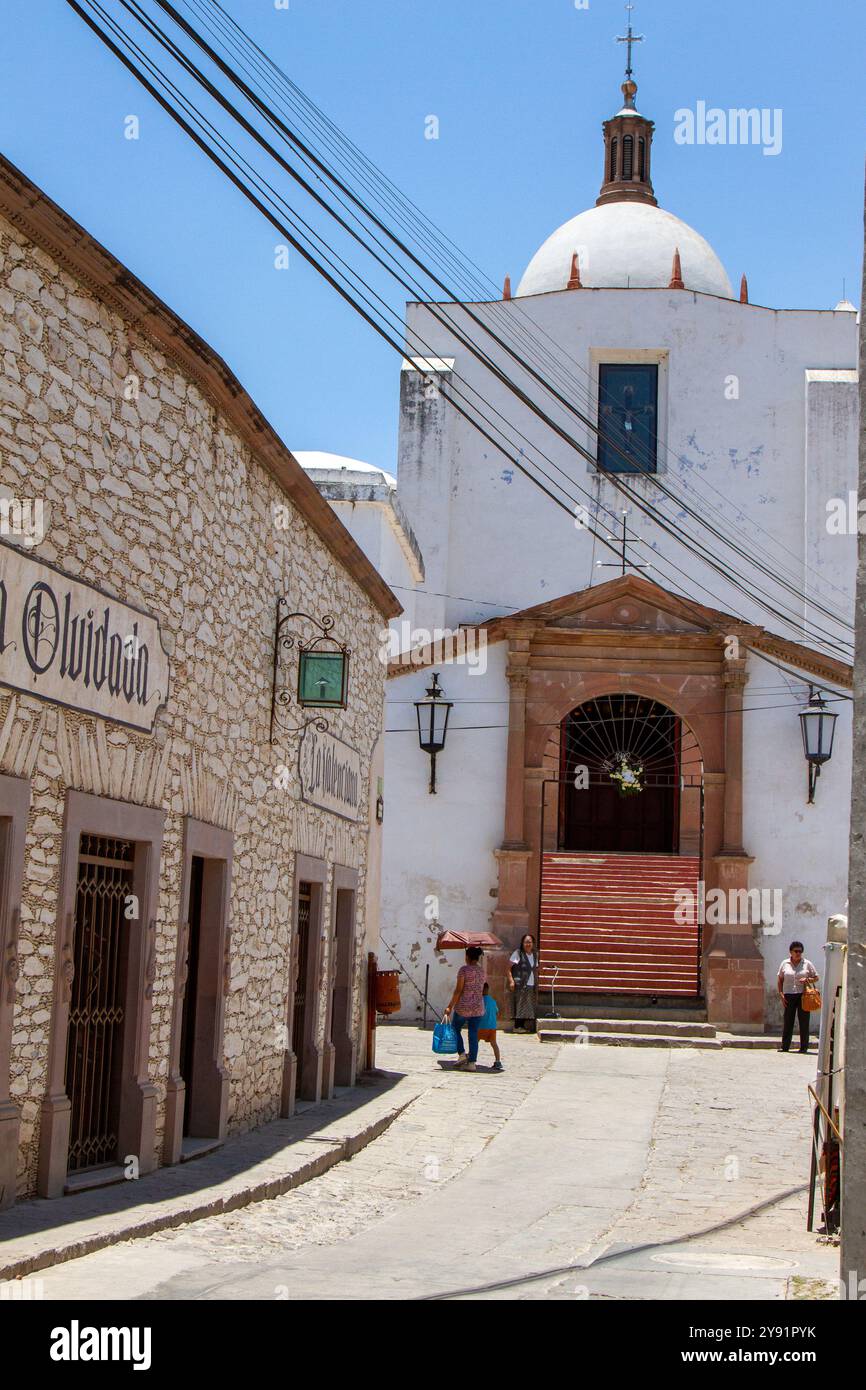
573, 1155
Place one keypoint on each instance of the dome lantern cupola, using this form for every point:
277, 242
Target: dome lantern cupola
626, 241
628, 138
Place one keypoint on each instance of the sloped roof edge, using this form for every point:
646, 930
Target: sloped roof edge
46, 224
540, 615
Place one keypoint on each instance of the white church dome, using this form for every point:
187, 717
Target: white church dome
622, 245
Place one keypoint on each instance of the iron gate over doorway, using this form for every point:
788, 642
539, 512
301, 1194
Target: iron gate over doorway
94, 1044
621, 838
626, 764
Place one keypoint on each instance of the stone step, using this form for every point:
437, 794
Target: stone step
670, 1027
585, 1006
556, 1035
595, 978
576, 856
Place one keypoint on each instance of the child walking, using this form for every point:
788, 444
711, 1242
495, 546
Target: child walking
487, 1031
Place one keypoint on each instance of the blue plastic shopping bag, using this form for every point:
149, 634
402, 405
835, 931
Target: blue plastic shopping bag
444, 1038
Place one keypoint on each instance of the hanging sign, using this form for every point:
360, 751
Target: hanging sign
330, 773
69, 642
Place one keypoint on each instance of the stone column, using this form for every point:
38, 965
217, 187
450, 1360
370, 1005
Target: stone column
518, 680
511, 918
734, 678
734, 966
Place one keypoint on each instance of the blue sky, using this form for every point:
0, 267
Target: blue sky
520, 88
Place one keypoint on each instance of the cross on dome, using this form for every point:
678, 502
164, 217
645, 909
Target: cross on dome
626, 241
630, 39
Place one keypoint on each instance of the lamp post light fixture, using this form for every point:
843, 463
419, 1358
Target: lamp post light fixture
432, 715
817, 725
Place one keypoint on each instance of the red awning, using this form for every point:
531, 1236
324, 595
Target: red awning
459, 940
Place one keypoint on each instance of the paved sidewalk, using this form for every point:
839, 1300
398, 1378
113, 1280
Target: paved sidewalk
435, 1139
732, 1134
252, 1167
635, 1168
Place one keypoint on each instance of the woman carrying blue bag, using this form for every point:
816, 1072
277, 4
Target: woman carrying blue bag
467, 1007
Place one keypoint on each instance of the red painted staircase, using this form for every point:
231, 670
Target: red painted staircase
608, 924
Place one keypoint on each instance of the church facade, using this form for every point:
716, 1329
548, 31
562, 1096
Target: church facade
623, 773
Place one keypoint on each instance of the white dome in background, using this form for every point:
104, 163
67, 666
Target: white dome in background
334, 463
623, 245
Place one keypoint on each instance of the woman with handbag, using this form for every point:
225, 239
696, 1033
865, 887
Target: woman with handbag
466, 1008
523, 965
797, 975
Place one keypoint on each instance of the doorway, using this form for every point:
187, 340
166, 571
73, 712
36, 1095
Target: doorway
190, 999
300, 1000
342, 1040
196, 1101
97, 1013
307, 1020
624, 763
201, 1026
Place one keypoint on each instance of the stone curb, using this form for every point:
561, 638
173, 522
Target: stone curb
316, 1154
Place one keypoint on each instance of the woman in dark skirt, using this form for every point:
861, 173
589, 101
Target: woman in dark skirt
525, 984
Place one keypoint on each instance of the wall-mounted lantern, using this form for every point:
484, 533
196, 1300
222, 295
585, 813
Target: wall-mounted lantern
817, 725
432, 714
323, 669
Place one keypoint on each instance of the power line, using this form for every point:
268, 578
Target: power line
291, 137
245, 40
281, 79
722, 569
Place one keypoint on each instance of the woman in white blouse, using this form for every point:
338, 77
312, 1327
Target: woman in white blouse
794, 974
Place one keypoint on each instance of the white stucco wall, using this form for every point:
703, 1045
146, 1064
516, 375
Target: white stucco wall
371, 526
800, 849
490, 536
441, 847
830, 472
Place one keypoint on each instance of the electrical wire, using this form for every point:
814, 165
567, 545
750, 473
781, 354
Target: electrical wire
796, 621
169, 9
280, 79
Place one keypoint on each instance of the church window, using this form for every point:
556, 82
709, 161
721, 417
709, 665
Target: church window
627, 156
641, 159
614, 148
627, 417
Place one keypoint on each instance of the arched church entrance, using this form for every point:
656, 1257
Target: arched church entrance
619, 892
630, 779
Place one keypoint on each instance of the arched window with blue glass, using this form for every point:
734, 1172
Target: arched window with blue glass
627, 417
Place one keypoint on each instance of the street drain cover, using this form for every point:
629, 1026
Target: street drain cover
709, 1260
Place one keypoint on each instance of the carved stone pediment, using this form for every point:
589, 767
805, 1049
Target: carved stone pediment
629, 613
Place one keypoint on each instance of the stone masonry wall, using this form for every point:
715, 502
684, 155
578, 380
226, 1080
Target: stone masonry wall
151, 495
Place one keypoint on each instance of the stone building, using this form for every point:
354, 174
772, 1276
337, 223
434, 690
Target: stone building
189, 865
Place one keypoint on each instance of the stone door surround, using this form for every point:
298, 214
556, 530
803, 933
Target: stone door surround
341, 1047
14, 807
208, 1090
559, 660
302, 1075
96, 815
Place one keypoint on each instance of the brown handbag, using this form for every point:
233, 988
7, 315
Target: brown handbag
811, 998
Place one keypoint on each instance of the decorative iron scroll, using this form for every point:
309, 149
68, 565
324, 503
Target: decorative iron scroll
288, 641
